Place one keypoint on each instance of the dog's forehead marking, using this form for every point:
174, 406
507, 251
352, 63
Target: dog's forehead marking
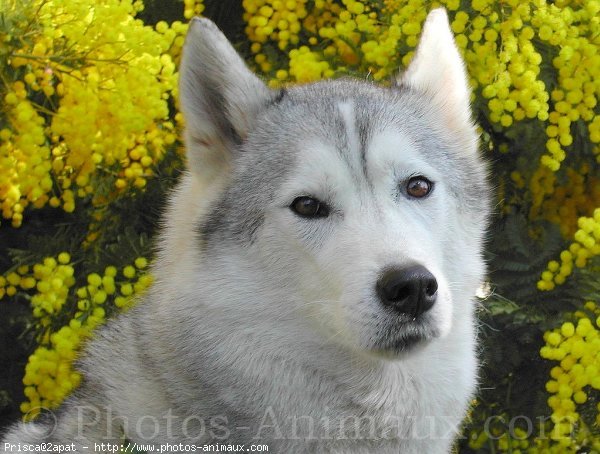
346, 109
355, 138
350, 143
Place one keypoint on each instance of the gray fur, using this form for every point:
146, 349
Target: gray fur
264, 327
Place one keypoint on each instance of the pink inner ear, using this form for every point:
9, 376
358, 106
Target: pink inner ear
201, 142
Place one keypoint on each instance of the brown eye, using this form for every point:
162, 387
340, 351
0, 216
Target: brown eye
419, 187
309, 207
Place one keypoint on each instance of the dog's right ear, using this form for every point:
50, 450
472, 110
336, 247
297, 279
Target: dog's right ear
219, 96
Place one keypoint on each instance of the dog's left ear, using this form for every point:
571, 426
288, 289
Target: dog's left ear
437, 69
219, 96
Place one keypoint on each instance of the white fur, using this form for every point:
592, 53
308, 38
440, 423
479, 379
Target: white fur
273, 326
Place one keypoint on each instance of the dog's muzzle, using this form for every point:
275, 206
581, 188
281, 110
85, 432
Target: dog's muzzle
411, 291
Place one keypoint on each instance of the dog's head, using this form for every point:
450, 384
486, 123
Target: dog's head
354, 209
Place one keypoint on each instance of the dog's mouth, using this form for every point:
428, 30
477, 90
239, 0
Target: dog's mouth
400, 346
397, 340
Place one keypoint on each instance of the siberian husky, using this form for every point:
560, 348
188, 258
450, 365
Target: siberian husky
315, 282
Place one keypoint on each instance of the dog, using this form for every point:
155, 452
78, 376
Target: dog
316, 273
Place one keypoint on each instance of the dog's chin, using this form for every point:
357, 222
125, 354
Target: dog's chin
399, 347
403, 340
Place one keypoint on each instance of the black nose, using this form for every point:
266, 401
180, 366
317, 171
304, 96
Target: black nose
409, 291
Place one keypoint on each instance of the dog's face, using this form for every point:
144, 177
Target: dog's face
358, 208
